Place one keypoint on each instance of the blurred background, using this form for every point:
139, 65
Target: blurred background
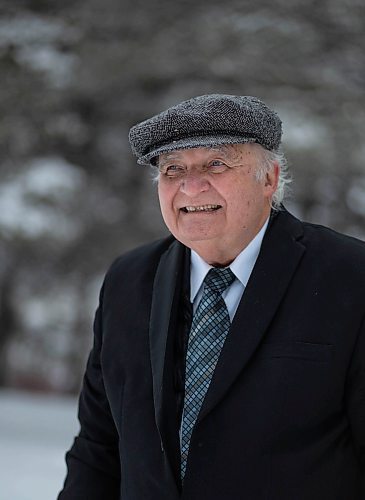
75, 75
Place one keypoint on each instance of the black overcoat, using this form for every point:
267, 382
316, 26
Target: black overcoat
284, 416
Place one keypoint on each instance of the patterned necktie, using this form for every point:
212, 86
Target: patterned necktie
207, 335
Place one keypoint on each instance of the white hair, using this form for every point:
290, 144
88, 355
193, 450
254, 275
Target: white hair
266, 164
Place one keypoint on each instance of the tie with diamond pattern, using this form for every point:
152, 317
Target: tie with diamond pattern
207, 335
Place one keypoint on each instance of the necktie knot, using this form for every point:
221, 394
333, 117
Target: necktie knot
217, 279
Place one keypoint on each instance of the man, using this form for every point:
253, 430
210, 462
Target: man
229, 358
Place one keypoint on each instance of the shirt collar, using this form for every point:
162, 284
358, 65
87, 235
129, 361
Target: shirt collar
241, 267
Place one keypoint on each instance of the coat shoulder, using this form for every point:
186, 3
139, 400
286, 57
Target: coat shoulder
141, 261
333, 242
326, 248
335, 252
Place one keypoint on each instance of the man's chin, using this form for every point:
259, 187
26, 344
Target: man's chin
198, 242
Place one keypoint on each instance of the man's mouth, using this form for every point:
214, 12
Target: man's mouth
200, 208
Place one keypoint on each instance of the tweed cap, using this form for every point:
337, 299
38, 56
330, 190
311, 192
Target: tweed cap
206, 121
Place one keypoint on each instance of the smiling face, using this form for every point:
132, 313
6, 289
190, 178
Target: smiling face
211, 199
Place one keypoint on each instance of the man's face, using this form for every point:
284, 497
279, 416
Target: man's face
211, 199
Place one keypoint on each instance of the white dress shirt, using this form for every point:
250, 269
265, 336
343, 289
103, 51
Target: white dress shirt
241, 267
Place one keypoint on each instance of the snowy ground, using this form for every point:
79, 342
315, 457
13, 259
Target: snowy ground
35, 432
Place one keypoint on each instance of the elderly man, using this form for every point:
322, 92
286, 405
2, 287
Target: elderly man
229, 358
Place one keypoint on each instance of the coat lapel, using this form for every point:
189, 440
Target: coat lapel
166, 285
278, 259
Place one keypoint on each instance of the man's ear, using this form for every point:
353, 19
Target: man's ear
272, 178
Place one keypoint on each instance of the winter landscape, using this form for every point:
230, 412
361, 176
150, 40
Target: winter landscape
35, 432
76, 75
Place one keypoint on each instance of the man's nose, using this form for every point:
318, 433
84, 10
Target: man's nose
194, 183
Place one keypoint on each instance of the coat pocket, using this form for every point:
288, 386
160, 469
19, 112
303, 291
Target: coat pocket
298, 350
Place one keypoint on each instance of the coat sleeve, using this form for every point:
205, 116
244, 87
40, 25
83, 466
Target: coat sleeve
93, 464
355, 400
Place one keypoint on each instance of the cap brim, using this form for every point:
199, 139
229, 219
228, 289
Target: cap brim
193, 142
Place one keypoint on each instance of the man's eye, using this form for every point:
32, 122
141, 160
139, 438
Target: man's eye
173, 171
217, 166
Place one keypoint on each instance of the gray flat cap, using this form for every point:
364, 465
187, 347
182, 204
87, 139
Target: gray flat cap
207, 120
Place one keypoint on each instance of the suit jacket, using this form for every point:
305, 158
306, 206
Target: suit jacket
284, 416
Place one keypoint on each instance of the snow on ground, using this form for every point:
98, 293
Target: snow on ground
35, 432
